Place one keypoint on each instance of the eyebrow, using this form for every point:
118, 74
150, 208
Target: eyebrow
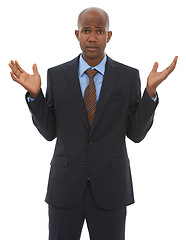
95, 27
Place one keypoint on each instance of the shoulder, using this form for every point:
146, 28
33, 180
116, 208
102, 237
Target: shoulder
62, 67
122, 67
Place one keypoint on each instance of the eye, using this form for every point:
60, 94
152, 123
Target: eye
86, 31
100, 31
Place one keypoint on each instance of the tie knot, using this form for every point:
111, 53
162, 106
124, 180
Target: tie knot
91, 72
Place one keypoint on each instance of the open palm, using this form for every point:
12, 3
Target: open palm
31, 83
155, 78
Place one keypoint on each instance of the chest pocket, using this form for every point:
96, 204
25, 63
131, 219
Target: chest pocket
115, 98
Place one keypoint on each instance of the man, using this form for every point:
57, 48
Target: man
90, 112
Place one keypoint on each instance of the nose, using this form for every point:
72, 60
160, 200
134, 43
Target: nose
92, 38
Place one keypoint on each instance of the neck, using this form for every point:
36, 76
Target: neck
93, 61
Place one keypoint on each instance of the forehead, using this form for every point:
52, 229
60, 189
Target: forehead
92, 18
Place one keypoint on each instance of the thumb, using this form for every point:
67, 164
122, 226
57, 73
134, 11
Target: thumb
35, 70
155, 67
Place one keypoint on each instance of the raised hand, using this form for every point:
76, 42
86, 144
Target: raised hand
155, 78
32, 83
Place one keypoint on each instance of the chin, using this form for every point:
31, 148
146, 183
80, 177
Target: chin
92, 55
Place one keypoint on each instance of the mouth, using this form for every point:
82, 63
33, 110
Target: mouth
92, 48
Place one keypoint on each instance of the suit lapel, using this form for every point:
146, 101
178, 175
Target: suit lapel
73, 83
109, 80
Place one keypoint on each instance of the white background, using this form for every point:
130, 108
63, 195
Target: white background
144, 31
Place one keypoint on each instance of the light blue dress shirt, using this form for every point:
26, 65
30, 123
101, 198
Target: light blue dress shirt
98, 79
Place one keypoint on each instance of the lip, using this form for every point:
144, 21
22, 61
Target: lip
92, 48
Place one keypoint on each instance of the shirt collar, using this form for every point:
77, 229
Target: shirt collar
83, 66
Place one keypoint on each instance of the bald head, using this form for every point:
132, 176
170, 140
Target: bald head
93, 34
92, 12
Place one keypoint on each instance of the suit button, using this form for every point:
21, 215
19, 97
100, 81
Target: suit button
90, 141
86, 164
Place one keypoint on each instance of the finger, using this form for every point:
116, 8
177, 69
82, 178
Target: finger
172, 66
35, 70
11, 65
155, 67
14, 77
14, 69
175, 61
18, 66
12, 62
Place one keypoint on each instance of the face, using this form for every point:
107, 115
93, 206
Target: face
93, 36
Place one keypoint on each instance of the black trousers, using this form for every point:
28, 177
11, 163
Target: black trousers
67, 223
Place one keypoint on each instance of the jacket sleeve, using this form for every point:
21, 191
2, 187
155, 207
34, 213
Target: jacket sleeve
141, 112
43, 112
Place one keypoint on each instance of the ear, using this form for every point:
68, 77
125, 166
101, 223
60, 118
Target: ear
77, 34
109, 36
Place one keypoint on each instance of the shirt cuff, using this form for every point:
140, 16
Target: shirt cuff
155, 98
29, 99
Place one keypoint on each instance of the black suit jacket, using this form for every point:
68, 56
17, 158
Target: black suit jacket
99, 154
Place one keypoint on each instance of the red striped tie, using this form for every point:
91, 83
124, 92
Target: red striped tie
90, 96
